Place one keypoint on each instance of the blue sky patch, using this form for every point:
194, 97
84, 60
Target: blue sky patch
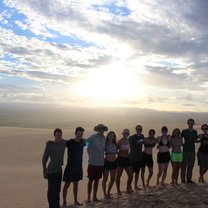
114, 9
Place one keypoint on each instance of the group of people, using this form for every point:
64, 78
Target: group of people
109, 157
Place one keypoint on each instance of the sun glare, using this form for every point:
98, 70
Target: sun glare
110, 84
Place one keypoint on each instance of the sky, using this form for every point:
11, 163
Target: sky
122, 53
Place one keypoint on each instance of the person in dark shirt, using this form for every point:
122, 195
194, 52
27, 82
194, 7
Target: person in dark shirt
53, 171
190, 137
136, 141
203, 153
73, 171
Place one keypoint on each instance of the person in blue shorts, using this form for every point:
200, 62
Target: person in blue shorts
73, 171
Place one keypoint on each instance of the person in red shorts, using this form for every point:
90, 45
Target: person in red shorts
96, 149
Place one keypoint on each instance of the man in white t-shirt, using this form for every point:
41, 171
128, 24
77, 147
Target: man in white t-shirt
96, 149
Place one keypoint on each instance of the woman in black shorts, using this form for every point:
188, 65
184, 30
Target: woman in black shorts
202, 154
163, 156
123, 161
149, 143
110, 163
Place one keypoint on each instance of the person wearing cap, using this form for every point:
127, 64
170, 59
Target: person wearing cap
96, 149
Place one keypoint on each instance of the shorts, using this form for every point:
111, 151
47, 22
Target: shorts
176, 157
72, 174
94, 172
123, 162
147, 159
202, 159
136, 166
163, 157
110, 165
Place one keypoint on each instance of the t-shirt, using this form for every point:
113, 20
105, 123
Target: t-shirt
54, 150
75, 152
190, 136
204, 145
135, 147
96, 149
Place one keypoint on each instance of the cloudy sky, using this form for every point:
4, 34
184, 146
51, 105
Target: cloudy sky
130, 53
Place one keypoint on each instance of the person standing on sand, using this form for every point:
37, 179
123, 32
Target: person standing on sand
203, 153
123, 162
149, 144
110, 163
136, 141
73, 171
163, 156
190, 137
176, 155
96, 149
53, 172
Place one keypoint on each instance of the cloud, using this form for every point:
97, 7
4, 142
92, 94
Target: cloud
61, 42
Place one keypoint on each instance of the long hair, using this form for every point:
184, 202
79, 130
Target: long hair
107, 138
176, 129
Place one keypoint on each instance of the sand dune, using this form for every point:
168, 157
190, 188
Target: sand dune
23, 186
181, 196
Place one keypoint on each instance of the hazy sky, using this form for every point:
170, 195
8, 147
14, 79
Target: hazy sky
133, 53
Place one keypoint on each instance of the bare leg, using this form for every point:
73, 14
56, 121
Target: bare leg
136, 178
105, 178
174, 166
65, 189
95, 189
89, 190
118, 178
142, 176
112, 180
75, 190
164, 173
150, 175
129, 172
177, 172
160, 170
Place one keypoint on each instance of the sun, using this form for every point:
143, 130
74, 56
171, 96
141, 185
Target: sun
110, 84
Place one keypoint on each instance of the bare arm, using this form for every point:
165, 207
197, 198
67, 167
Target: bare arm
199, 137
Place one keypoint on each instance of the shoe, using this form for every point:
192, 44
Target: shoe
64, 206
190, 181
183, 181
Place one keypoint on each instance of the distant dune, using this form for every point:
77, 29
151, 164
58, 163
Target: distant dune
51, 116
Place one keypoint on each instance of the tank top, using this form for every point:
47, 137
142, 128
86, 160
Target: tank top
124, 147
110, 149
161, 143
